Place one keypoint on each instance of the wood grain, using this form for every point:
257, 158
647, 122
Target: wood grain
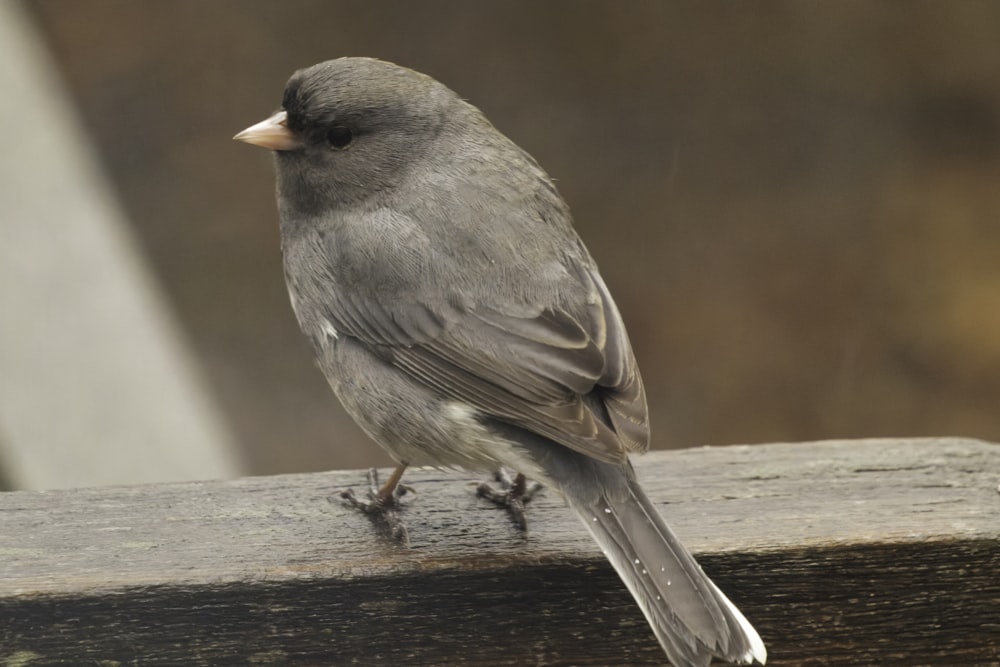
864, 552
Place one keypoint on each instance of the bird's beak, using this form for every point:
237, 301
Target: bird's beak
272, 133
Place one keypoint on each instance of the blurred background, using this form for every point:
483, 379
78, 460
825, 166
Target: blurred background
796, 205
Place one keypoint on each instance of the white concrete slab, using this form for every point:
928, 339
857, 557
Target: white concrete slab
96, 383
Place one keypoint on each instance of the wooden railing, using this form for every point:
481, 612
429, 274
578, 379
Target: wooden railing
864, 552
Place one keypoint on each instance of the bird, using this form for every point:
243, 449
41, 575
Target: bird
462, 322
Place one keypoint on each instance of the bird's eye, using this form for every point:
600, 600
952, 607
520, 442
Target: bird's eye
340, 136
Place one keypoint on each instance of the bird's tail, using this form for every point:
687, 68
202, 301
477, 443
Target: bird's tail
692, 619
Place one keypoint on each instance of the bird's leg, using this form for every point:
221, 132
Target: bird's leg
384, 501
514, 494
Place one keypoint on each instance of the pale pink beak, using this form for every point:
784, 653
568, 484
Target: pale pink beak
272, 133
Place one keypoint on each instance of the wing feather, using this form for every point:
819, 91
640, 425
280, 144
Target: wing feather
568, 376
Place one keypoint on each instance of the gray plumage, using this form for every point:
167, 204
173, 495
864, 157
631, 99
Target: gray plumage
461, 321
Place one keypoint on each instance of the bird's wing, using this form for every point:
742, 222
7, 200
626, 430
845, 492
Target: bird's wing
570, 378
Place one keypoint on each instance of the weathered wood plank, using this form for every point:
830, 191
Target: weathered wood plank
861, 552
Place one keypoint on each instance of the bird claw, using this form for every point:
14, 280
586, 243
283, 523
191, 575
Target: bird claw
383, 503
513, 495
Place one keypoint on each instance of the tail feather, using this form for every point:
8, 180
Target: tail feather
692, 619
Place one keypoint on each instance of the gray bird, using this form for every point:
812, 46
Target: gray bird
463, 324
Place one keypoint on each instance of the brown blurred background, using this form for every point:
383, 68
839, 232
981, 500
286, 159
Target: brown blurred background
796, 205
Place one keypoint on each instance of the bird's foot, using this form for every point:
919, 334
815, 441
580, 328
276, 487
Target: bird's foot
514, 494
384, 502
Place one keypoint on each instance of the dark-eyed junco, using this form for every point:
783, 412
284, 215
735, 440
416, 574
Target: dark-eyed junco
462, 322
